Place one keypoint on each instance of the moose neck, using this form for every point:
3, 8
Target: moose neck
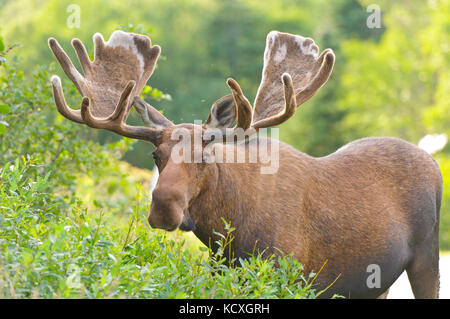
237, 193
218, 199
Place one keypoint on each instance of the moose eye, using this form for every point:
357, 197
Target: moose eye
156, 158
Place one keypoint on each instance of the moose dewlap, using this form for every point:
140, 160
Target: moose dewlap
368, 212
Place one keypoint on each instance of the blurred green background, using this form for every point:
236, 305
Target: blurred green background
388, 81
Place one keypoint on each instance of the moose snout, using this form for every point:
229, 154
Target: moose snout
156, 222
166, 211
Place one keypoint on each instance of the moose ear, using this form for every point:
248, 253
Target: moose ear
150, 116
223, 113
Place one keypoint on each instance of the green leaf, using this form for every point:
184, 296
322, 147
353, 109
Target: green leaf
2, 128
4, 109
2, 45
27, 257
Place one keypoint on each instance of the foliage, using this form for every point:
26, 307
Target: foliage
399, 85
4, 49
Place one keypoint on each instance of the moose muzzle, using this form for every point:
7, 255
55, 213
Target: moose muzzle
169, 210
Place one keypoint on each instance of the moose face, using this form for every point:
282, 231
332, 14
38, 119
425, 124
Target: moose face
180, 178
182, 158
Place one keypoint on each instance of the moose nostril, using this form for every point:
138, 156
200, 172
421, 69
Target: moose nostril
162, 221
153, 223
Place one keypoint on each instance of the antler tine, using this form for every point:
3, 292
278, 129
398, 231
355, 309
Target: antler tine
82, 55
149, 115
99, 45
243, 106
60, 101
116, 121
326, 67
66, 64
245, 113
243, 116
290, 104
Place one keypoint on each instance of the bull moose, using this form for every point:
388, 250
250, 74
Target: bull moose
375, 201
